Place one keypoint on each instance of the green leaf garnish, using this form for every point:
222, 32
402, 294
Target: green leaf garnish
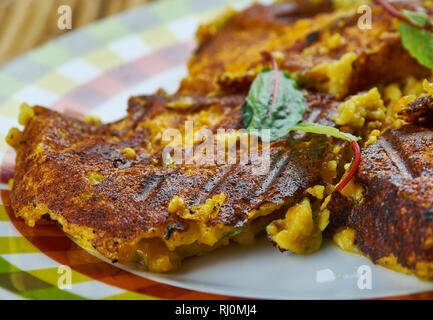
417, 41
334, 132
275, 103
280, 111
321, 129
418, 18
286, 111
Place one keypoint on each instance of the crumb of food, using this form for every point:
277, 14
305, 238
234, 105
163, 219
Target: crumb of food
10, 183
335, 41
91, 119
404, 102
13, 138
297, 232
176, 204
323, 219
352, 190
392, 94
372, 138
338, 73
317, 191
324, 214
26, 114
336, 150
413, 86
203, 212
345, 240
129, 153
183, 102
39, 149
198, 218
362, 108
95, 177
428, 87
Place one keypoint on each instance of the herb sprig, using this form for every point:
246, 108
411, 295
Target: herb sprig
334, 132
275, 103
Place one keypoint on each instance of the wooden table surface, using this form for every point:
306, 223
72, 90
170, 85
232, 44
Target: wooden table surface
25, 24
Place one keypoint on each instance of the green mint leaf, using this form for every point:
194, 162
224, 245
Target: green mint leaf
320, 129
418, 18
419, 43
288, 109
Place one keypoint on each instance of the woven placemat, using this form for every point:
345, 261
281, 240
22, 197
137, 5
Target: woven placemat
25, 24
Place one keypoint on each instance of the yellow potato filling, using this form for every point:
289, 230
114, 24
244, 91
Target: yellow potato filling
337, 72
360, 109
129, 153
13, 137
298, 232
26, 113
345, 240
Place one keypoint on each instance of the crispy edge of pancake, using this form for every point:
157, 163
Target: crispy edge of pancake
393, 223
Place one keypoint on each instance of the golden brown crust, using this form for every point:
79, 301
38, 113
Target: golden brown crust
395, 216
305, 36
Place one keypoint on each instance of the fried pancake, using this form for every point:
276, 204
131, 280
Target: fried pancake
77, 174
326, 48
393, 223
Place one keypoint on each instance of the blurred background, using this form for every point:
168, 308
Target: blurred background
25, 24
